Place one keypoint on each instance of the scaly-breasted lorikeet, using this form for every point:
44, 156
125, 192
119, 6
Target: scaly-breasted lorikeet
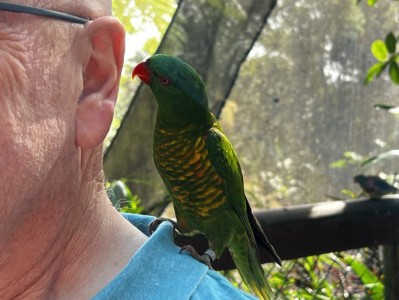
201, 170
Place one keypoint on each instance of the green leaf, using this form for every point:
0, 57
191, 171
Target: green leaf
380, 157
340, 163
372, 2
390, 108
349, 193
352, 156
368, 278
380, 106
390, 42
394, 71
374, 71
379, 50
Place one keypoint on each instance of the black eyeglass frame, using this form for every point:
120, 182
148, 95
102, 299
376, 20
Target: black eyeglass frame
42, 12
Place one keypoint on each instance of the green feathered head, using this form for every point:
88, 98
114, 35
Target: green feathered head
178, 89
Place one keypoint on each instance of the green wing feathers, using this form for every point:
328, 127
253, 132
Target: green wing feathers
225, 161
244, 248
260, 237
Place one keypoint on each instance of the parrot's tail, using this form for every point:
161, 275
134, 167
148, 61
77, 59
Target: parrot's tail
246, 259
260, 237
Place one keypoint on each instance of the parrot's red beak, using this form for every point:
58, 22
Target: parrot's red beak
142, 71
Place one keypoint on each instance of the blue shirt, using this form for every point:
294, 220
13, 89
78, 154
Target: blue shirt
158, 271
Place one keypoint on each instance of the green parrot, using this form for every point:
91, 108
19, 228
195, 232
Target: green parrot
201, 170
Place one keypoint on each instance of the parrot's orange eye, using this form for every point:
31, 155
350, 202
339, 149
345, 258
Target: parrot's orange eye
164, 81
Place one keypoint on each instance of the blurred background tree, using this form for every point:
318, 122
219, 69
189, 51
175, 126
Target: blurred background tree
145, 23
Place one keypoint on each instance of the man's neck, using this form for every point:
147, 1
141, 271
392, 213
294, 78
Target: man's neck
110, 242
65, 248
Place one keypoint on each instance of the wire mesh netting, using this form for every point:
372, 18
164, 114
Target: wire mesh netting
355, 274
287, 83
332, 275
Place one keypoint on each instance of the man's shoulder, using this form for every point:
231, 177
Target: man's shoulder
159, 271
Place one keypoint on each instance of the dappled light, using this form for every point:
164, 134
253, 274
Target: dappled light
327, 209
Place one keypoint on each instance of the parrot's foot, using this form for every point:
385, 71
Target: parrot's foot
207, 258
154, 224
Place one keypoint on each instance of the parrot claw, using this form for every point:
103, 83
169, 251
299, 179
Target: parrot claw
154, 224
207, 258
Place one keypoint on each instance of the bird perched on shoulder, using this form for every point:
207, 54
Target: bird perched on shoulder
201, 171
375, 186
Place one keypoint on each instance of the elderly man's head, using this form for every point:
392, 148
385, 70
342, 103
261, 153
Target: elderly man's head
58, 84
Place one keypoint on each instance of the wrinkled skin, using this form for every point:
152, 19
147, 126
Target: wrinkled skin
59, 235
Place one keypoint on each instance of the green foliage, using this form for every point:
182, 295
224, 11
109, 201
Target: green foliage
145, 23
373, 285
390, 42
324, 277
394, 71
349, 193
136, 15
374, 71
372, 2
381, 157
389, 108
123, 10
379, 50
132, 206
122, 198
348, 158
385, 53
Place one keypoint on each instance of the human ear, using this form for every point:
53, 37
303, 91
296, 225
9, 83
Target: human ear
95, 108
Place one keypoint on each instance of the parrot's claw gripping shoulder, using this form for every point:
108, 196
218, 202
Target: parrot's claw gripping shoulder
154, 224
207, 258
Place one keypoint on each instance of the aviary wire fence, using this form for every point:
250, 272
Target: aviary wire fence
354, 274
